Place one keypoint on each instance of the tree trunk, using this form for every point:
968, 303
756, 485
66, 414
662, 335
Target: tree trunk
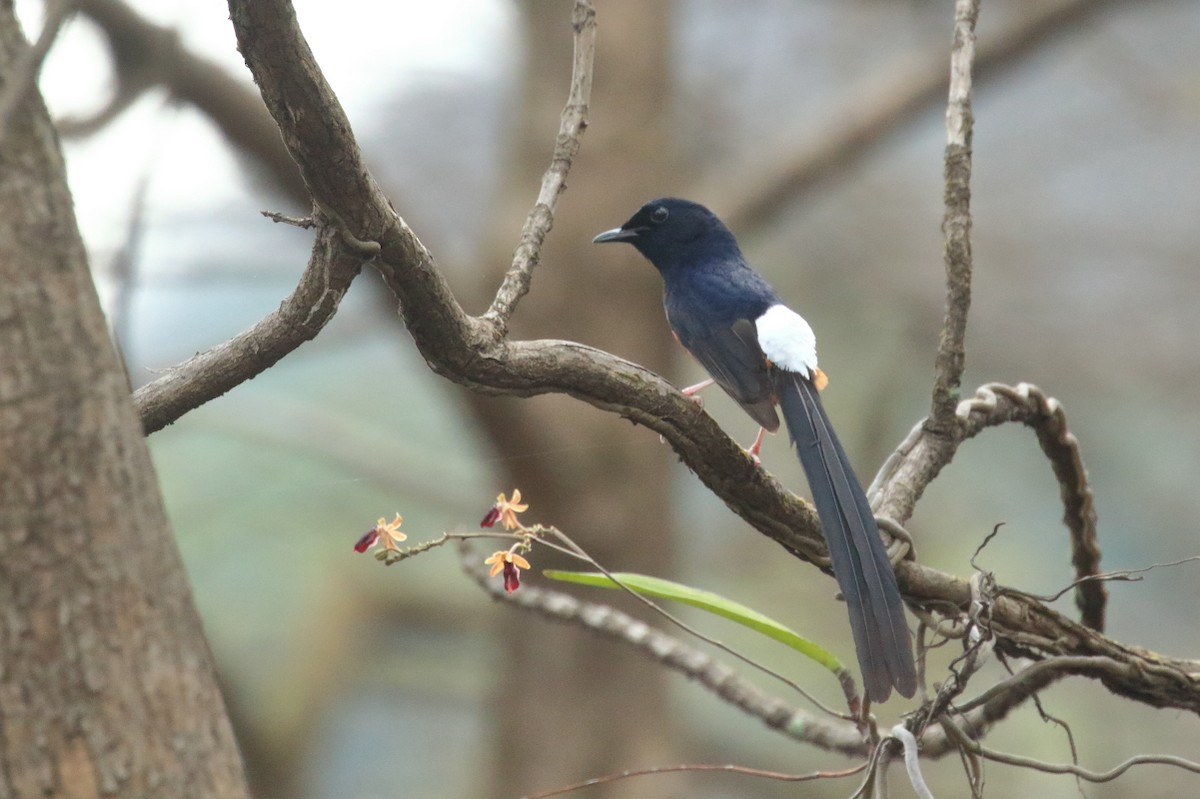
106, 682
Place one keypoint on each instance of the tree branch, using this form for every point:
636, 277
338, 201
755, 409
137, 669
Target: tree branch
331, 268
921, 456
956, 225
1048, 420
1079, 771
974, 719
541, 218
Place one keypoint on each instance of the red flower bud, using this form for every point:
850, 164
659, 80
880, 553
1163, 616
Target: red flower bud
491, 517
369, 537
512, 577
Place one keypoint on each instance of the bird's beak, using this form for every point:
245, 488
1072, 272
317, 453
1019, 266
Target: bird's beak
617, 234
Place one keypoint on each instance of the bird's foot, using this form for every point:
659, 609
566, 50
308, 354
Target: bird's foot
693, 392
756, 447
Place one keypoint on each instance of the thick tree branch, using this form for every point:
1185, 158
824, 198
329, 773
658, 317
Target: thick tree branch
541, 218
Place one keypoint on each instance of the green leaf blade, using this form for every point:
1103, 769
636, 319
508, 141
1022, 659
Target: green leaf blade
707, 601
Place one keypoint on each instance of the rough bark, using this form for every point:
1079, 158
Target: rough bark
106, 682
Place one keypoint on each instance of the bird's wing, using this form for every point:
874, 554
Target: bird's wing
733, 357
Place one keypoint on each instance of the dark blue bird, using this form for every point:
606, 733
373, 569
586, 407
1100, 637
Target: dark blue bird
764, 355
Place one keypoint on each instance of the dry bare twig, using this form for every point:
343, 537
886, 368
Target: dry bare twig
1120, 575
1084, 773
743, 771
554, 182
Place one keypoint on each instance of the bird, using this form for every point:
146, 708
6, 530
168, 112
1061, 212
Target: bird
763, 355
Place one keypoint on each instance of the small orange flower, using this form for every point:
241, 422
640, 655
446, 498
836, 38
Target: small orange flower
385, 533
511, 564
505, 511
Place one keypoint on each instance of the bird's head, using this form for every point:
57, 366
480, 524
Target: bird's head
673, 233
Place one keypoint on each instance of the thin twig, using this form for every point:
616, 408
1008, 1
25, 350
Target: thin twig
572, 124
1079, 771
304, 222
872, 775
23, 74
972, 765
744, 771
572, 549
1121, 575
1066, 728
987, 539
956, 225
125, 263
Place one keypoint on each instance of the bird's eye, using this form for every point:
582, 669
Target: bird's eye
660, 215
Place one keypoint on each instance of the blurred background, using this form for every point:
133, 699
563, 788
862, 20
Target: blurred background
816, 129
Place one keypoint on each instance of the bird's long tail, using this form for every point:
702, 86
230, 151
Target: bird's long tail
860, 561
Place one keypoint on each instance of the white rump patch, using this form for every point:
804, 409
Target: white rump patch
787, 340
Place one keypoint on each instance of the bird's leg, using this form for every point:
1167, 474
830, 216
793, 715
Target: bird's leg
756, 447
693, 392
